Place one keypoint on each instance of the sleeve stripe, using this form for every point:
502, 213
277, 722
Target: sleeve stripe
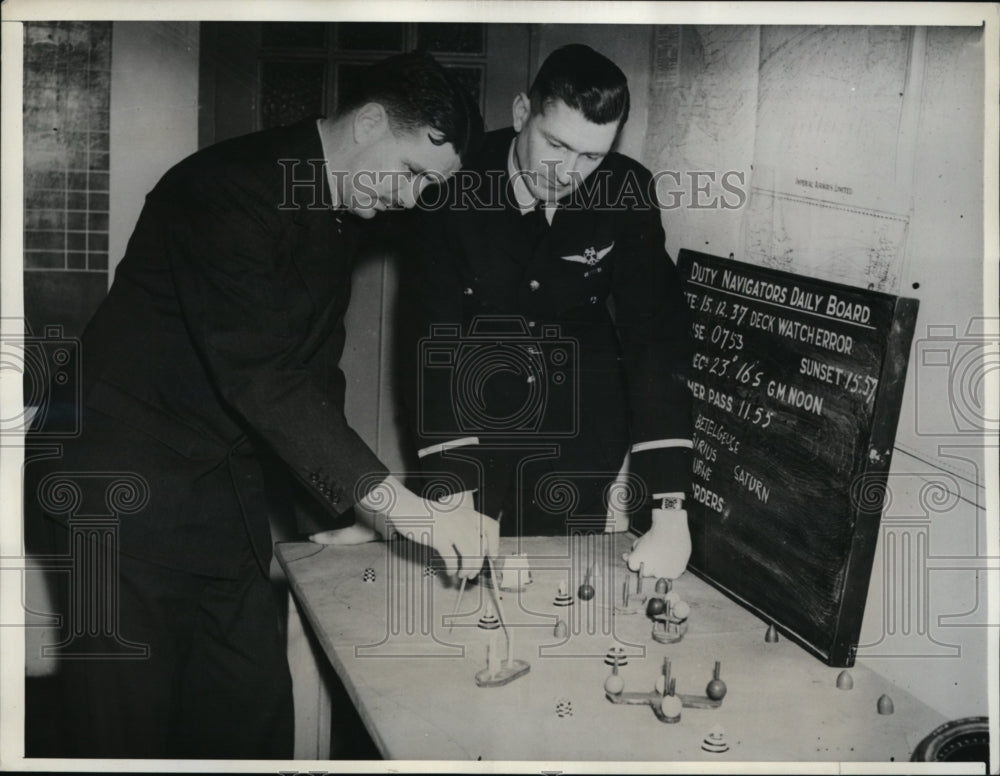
657, 444
463, 442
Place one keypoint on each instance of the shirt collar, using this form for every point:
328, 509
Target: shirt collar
523, 198
330, 178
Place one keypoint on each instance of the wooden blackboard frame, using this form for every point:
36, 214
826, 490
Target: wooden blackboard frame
837, 640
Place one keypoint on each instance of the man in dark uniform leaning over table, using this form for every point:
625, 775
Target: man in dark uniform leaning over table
214, 357
551, 234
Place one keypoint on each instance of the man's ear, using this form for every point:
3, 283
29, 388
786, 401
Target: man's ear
370, 123
521, 111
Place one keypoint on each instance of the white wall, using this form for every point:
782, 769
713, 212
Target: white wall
934, 603
154, 116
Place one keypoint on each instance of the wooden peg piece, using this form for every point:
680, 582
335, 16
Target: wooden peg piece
458, 603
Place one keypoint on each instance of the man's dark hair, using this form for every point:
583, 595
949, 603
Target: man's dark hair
418, 92
586, 81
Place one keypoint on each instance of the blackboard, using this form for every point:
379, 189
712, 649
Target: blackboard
797, 385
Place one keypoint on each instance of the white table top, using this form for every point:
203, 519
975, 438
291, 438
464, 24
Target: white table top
413, 680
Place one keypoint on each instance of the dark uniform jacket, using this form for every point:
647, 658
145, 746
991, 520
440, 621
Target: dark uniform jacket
569, 343
215, 354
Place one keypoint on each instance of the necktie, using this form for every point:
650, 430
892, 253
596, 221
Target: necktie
540, 222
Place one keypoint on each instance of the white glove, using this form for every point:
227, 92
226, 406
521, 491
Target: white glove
664, 550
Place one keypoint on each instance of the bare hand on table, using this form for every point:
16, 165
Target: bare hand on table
462, 536
359, 533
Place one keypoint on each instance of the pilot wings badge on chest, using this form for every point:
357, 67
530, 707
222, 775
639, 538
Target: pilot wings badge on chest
590, 256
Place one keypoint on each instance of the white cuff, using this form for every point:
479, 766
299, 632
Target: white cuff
656, 444
463, 442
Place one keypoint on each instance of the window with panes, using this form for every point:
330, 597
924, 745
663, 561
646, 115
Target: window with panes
305, 68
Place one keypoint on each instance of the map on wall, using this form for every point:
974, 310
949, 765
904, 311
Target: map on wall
698, 84
814, 128
846, 244
703, 103
832, 152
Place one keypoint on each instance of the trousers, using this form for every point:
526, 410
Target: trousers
213, 681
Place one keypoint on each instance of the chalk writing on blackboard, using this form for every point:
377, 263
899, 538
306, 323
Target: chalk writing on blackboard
796, 383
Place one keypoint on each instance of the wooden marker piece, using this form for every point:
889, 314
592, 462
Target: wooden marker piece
497, 675
716, 689
492, 663
614, 684
458, 603
669, 707
586, 590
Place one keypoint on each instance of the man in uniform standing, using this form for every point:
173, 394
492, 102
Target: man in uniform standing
551, 234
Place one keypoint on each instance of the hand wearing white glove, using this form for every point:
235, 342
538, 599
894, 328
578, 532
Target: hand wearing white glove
664, 550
